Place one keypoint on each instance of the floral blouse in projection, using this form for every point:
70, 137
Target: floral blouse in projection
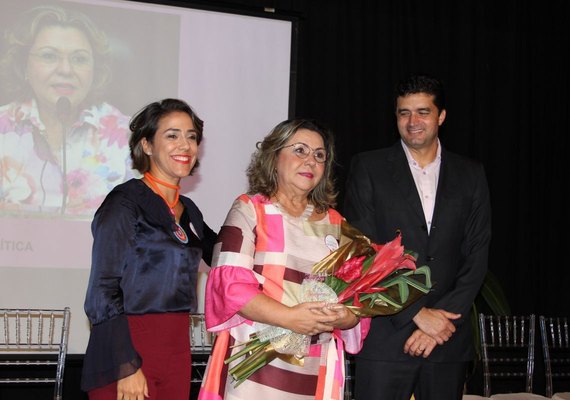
261, 250
31, 176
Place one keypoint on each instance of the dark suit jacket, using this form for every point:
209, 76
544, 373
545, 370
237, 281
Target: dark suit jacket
382, 198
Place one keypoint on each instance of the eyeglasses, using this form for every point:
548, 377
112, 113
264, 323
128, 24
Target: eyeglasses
303, 151
78, 59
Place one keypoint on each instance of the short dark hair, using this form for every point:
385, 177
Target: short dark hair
421, 84
261, 171
144, 124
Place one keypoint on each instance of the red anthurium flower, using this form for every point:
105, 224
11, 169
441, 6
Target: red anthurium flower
356, 300
408, 262
389, 258
350, 269
376, 247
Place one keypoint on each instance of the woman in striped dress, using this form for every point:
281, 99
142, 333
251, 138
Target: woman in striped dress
271, 238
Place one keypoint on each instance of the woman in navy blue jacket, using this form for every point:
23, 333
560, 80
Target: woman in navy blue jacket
148, 243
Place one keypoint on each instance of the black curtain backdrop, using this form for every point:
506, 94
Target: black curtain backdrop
508, 106
508, 101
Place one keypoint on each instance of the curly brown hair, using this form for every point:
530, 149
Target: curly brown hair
261, 172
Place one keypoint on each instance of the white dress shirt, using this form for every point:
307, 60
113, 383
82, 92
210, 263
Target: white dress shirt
426, 181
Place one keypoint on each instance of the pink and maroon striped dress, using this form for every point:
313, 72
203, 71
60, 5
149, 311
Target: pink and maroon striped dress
261, 249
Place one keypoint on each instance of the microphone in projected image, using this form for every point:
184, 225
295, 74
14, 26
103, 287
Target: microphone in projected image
63, 110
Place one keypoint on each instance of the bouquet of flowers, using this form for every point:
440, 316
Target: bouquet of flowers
368, 278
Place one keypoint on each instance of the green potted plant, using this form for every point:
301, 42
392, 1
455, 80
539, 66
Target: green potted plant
490, 300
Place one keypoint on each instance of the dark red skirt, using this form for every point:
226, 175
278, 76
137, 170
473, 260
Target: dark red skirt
163, 342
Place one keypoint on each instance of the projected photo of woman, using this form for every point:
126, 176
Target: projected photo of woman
62, 149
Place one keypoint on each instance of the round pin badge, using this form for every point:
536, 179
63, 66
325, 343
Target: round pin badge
331, 242
180, 234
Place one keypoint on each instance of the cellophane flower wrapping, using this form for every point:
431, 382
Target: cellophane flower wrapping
369, 279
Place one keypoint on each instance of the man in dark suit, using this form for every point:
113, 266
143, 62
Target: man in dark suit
440, 203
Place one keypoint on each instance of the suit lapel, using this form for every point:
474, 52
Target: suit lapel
404, 180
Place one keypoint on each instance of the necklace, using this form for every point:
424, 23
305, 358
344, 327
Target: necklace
176, 228
153, 183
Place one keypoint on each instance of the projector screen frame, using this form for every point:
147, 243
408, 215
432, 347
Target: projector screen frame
260, 12
70, 284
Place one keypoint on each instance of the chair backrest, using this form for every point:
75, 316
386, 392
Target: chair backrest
201, 342
30, 338
200, 339
507, 350
554, 336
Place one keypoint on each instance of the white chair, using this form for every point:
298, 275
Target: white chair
201, 342
556, 351
507, 352
30, 338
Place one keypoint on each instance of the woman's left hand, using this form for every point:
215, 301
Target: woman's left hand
345, 319
132, 387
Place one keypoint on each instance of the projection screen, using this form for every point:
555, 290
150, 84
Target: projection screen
234, 70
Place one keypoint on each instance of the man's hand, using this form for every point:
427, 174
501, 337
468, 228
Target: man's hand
436, 323
419, 344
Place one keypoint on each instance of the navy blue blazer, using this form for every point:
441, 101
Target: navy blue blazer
381, 198
139, 266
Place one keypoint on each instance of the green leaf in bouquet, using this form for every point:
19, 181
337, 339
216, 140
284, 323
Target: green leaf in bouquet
403, 287
249, 347
336, 284
260, 357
